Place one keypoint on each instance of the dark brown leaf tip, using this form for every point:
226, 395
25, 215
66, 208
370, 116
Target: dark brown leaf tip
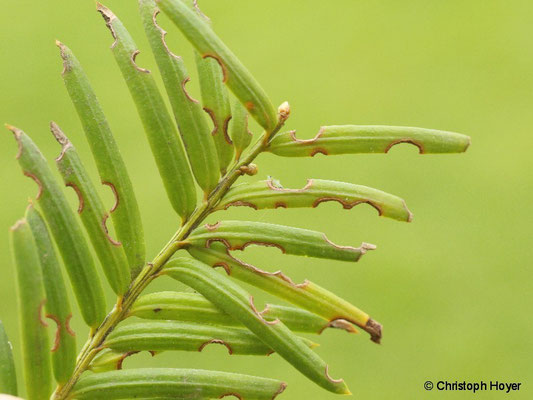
375, 329
216, 341
61, 139
109, 17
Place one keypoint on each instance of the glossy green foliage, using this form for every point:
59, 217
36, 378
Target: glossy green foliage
193, 307
239, 133
166, 146
235, 75
270, 194
234, 300
57, 304
113, 173
189, 115
31, 299
8, 375
338, 312
171, 335
174, 384
65, 229
353, 139
93, 215
237, 235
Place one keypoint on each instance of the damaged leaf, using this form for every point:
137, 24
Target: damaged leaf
113, 173
8, 374
269, 194
171, 335
353, 139
166, 146
240, 134
189, 115
65, 229
338, 312
174, 383
215, 101
235, 75
237, 235
193, 307
234, 300
93, 215
57, 304
31, 299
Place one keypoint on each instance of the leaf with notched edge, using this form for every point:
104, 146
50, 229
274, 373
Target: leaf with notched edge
353, 139
57, 302
166, 146
239, 132
188, 113
268, 194
174, 383
113, 173
93, 215
35, 350
65, 229
307, 295
8, 374
234, 300
236, 76
193, 307
215, 101
237, 235
160, 336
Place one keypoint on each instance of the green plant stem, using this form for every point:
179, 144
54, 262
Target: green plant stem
151, 270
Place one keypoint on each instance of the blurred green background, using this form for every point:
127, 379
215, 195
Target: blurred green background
453, 288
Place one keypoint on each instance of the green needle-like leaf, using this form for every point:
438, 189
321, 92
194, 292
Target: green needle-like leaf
270, 194
93, 215
35, 345
65, 229
311, 297
237, 235
166, 146
193, 307
171, 335
215, 101
189, 115
113, 173
353, 139
240, 134
174, 383
8, 374
234, 300
57, 302
236, 76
